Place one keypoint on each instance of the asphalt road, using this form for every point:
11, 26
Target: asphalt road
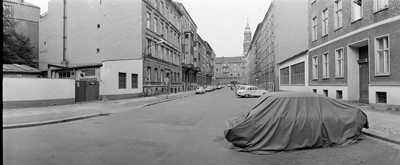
187, 131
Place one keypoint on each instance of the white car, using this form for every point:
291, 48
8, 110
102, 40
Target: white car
249, 91
209, 89
200, 90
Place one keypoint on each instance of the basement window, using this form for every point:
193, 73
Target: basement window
339, 94
381, 97
326, 92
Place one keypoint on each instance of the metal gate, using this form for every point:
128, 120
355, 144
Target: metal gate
86, 90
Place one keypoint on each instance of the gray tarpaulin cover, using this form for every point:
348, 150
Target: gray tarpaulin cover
282, 121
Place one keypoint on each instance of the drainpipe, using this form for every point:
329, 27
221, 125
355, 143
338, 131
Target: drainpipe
65, 62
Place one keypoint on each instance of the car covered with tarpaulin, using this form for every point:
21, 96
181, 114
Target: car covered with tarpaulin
283, 121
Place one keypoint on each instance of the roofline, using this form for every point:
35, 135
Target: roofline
181, 4
22, 3
294, 56
31, 72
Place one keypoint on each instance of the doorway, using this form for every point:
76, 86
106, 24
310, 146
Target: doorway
363, 74
86, 90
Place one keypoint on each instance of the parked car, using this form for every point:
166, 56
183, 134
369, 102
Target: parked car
283, 121
208, 89
250, 91
200, 90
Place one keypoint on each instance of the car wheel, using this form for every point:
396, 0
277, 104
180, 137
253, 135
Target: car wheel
247, 95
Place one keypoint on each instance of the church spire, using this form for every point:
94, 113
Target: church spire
247, 25
247, 38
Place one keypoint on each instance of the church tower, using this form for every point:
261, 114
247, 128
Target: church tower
247, 39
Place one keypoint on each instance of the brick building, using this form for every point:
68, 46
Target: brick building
353, 49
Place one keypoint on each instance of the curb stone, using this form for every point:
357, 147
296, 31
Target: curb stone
381, 138
56, 121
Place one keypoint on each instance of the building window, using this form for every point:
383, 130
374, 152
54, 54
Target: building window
156, 74
162, 28
356, 10
315, 67
325, 92
98, 50
315, 90
134, 81
155, 25
89, 72
380, 5
155, 4
297, 73
285, 75
314, 28
162, 7
98, 26
381, 97
382, 56
162, 75
339, 64
325, 65
148, 20
121, 80
64, 74
338, 14
325, 22
339, 94
148, 73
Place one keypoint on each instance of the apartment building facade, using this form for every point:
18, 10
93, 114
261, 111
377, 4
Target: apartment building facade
229, 69
352, 49
279, 36
189, 34
134, 45
26, 16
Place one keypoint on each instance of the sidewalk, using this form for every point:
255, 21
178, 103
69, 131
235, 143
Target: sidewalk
384, 125
28, 117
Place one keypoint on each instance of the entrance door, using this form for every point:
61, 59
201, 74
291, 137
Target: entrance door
364, 74
86, 90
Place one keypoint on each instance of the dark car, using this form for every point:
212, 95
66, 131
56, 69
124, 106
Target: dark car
282, 121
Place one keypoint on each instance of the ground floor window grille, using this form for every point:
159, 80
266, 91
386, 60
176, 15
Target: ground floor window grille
134, 81
297, 73
285, 75
121, 80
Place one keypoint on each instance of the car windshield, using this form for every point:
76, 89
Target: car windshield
242, 88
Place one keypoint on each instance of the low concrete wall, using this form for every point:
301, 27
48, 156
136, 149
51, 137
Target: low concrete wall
35, 92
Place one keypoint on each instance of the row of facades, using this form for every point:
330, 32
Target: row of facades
128, 47
343, 49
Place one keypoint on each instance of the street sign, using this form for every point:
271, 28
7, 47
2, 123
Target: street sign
166, 79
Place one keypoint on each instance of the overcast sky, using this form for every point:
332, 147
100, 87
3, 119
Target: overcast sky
220, 22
